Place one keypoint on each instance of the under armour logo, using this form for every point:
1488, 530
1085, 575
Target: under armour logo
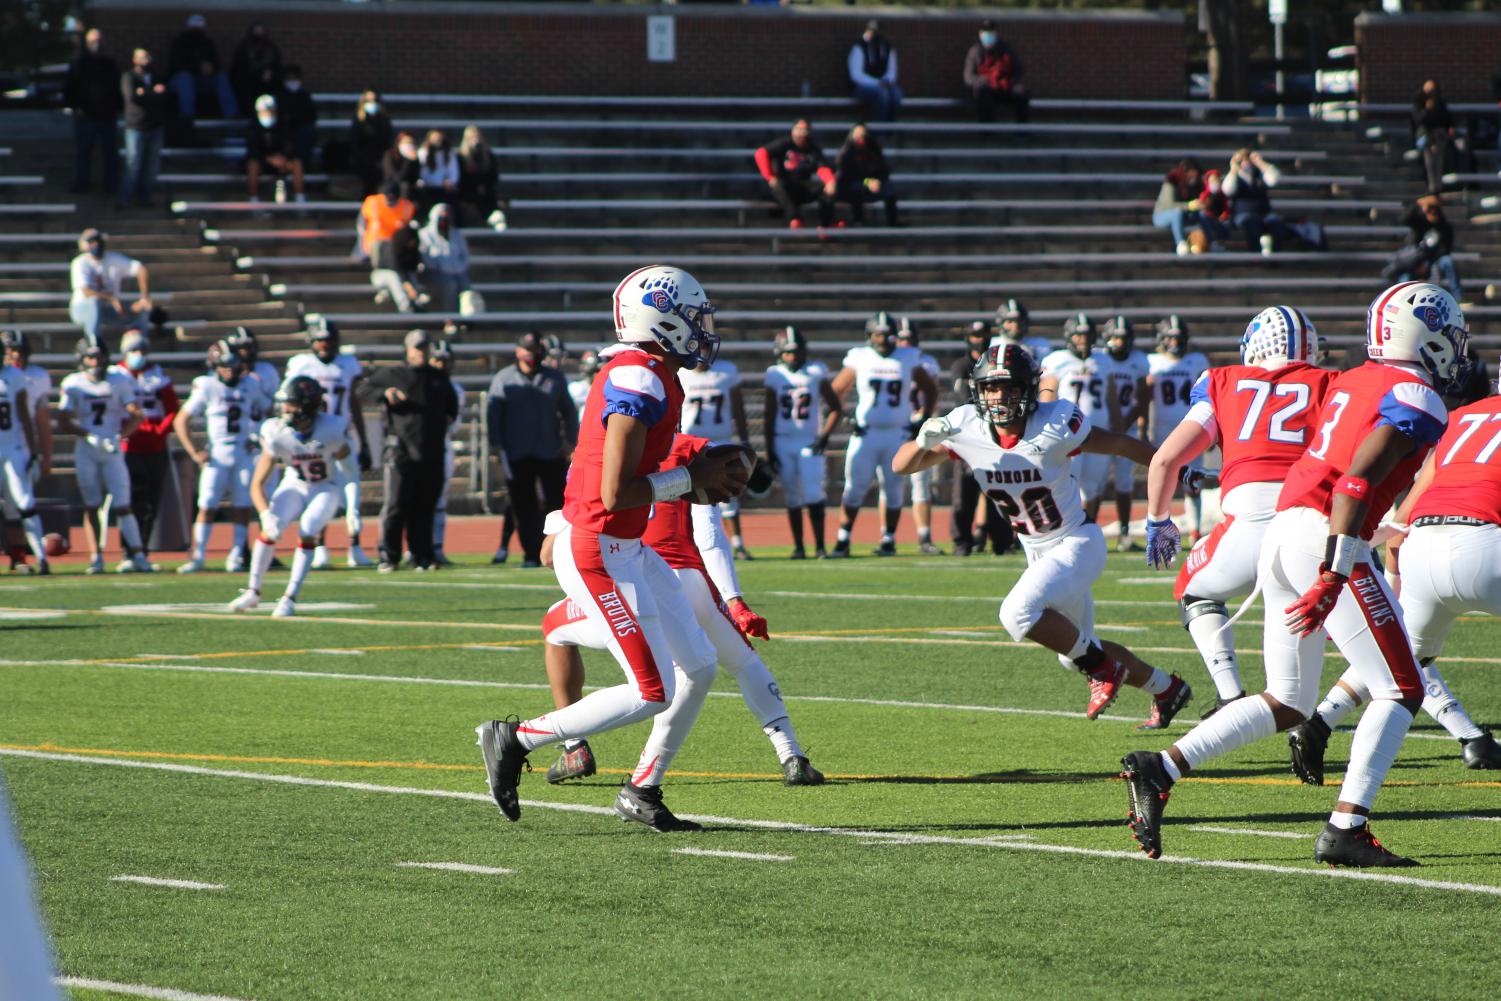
614, 547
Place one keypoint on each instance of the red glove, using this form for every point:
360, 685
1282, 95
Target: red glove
1306, 615
748, 622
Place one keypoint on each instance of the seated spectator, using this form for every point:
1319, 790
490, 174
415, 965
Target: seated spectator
1428, 256
255, 67
300, 113
479, 182
797, 173
401, 166
445, 259
1214, 210
1177, 207
872, 69
97, 276
268, 147
438, 171
993, 73
861, 175
384, 225
195, 74
371, 135
1432, 133
1248, 184
1427, 214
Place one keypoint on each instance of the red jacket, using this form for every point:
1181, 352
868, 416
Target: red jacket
156, 397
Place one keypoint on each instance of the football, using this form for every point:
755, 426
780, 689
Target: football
741, 469
54, 544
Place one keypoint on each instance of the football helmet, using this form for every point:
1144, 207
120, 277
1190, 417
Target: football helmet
790, 340
1120, 338
1172, 336
15, 340
243, 341
1011, 311
441, 351
1080, 334
322, 330
979, 333
300, 399
878, 333
906, 331
1277, 336
92, 358
588, 364
222, 357
1418, 323
1004, 383
667, 306
554, 348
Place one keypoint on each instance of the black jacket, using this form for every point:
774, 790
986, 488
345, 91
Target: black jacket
855, 163
144, 108
416, 428
92, 88
297, 110
261, 142
370, 137
190, 50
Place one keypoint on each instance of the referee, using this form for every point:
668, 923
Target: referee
419, 403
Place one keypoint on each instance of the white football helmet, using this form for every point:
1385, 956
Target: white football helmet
667, 306
1277, 336
1421, 324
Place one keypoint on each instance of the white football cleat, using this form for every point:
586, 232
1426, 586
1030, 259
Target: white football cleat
235, 561
285, 608
321, 559
126, 566
247, 600
357, 557
191, 566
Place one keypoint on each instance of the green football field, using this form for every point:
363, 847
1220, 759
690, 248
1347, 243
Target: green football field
305, 776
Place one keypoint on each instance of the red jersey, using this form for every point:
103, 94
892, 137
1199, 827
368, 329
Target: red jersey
1357, 403
670, 530
1467, 470
1264, 417
633, 383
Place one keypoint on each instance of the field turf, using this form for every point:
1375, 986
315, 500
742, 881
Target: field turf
970, 841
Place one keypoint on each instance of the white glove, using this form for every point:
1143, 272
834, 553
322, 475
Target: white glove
934, 432
270, 525
104, 443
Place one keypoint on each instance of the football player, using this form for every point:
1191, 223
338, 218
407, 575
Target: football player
339, 374
1021, 453
1075, 373
1259, 412
18, 456
1012, 323
39, 391
309, 442
99, 407
801, 412
1126, 387
922, 481
883, 377
1377, 424
579, 388
441, 359
714, 408
1172, 371
222, 398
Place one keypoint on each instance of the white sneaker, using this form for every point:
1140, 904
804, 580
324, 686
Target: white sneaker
126, 566
142, 564
96, 565
1183, 248
321, 559
357, 557
1266, 245
235, 561
285, 608
1125, 545
281, 192
191, 566
497, 221
247, 600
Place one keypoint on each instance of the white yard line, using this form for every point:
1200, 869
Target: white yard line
339, 653
747, 856
1251, 832
774, 825
478, 870
139, 990
1470, 816
176, 884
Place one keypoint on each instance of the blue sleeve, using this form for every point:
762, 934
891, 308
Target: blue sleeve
642, 406
1415, 422
1200, 392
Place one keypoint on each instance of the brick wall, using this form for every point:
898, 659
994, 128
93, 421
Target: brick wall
563, 48
1397, 54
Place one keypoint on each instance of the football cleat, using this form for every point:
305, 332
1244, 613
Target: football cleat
386, 566
1104, 686
928, 549
1219, 704
1356, 847
439, 557
1148, 787
235, 561
357, 557
796, 771
247, 600
500, 557
96, 565
191, 566
43, 568
286, 607
1306, 744
1124, 544
1480, 752
799, 554
741, 553
141, 564
644, 805
841, 550
886, 548
575, 764
504, 757
1167, 705
321, 559
820, 553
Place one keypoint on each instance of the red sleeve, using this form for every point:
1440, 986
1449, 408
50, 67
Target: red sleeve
685, 448
763, 164
825, 174
170, 406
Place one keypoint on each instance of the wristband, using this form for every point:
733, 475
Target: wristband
670, 484
1339, 554
1353, 486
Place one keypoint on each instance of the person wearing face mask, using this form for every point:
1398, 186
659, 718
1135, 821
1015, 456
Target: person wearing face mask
97, 275
297, 110
438, 171
146, 447
479, 182
872, 69
797, 172
862, 175
92, 92
401, 166
1214, 210
145, 114
993, 73
268, 147
371, 134
196, 75
255, 67
445, 260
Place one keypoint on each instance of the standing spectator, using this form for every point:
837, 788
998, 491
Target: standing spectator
1177, 207
437, 171
255, 68
442, 360
145, 114
371, 134
400, 164
146, 447
1248, 183
195, 73
92, 91
419, 404
97, 275
993, 73
861, 175
797, 172
268, 146
1432, 133
385, 225
445, 260
479, 182
300, 113
967, 496
872, 67
532, 426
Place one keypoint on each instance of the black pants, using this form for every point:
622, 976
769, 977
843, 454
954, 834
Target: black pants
967, 498
792, 193
987, 99
857, 194
412, 491
526, 476
148, 474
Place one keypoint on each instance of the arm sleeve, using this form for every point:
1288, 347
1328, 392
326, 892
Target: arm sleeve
495, 414
1230, 184
634, 391
1414, 410
764, 165
1271, 175
856, 63
890, 76
714, 547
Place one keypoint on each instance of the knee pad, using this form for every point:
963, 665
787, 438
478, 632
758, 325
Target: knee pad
1193, 607
1019, 615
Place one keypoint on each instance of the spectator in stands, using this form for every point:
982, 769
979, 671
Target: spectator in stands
993, 73
92, 92
146, 448
145, 114
479, 182
255, 68
1248, 183
861, 175
97, 275
1214, 210
401, 166
1432, 133
385, 225
195, 73
797, 172
371, 135
445, 259
872, 68
300, 113
532, 426
437, 172
268, 147
1428, 255
1177, 207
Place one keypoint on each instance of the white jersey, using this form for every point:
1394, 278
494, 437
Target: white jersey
267, 381
12, 435
928, 364
579, 390
1123, 377
1032, 482
225, 410
706, 401
1172, 382
337, 378
799, 400
98, 407
1037, 347
38, 385
310, 458
883, 384
1081, 381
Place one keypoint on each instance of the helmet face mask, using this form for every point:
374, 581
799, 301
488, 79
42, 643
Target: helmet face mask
225, 362
1005, 385
1011, 320
244, 342
1419, 323
300, 399
1079, 334
879, 334
1120, 338
906, 334
323, 337
1172, 337
791, 348
93, 360
667, 306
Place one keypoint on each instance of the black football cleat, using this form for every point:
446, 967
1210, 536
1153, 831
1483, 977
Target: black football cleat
643, 804
886, 548
1482, 752
504, 757
1167, 705
575, 764
1307, 743
796, 771
1357, 848
1219, 704
841, 551
1148, 787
